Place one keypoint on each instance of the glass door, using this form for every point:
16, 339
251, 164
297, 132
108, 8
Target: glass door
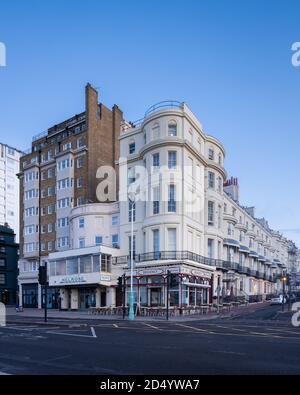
155, 296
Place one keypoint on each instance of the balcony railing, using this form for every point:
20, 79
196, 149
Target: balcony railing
187, 255
168, 104
166, 256
40, 136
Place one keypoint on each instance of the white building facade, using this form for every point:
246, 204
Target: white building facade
173, 223
82, 276
187, 219
184, 218
9, 187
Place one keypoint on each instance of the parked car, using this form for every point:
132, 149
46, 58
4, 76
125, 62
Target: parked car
277, 300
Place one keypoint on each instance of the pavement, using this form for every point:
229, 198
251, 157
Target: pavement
261, 341
37, 315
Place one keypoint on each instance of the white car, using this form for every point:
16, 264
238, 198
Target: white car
277, 300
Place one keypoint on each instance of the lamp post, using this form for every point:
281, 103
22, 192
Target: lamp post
284, 279
131, 197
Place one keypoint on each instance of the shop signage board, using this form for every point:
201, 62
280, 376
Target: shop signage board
78, 279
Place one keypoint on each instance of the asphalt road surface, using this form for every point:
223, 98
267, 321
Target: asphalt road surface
262, 342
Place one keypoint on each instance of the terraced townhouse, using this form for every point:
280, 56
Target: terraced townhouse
189, 221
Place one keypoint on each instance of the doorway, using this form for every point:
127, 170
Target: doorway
155, 296
103, 298
87, 298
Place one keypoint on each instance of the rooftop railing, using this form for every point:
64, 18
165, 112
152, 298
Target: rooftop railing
163, 105
167, 104
40, 136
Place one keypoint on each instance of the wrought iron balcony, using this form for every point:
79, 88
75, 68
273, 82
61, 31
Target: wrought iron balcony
166, 256
190, 256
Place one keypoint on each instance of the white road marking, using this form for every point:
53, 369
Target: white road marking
233, 329
93, 332
152, 326
22, 326
18, 329
70, 334
115, 326
283, 331
29, 329
196, 329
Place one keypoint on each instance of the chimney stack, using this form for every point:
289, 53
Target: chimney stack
231, 187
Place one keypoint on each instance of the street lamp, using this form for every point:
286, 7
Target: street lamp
131, 197
284, 280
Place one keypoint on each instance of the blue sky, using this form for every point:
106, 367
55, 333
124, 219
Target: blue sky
229, 60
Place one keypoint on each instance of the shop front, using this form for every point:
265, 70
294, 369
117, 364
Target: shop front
191, 287
81, 282
83, 298
52, 298
30, 295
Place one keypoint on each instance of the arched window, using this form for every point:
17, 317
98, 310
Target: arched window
172, 128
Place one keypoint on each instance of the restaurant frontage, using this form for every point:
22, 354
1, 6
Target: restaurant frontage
192, 286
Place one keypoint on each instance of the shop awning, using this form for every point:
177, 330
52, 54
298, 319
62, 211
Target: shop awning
244, 249
231, 242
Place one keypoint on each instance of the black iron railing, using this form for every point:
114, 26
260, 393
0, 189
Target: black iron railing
191, 256
168, 255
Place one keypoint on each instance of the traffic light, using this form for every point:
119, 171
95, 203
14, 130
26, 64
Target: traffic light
42, 275
172, 278
120, 283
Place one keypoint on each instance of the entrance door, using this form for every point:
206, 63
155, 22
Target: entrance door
103, 299
87, 298
81, 301
155, 296
30, 295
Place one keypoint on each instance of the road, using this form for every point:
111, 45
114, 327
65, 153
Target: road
256, 343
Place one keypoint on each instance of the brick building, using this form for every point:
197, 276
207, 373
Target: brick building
57, 174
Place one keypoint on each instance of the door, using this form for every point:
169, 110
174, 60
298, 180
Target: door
81, 301
103, 299
155, 296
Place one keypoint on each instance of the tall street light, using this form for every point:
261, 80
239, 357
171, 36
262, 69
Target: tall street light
284, 280
131, 197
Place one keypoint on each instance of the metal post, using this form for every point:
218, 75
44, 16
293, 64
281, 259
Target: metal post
46, 295
167, 295
123, 295
131, 308
218, 296
283, 291
289, 291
